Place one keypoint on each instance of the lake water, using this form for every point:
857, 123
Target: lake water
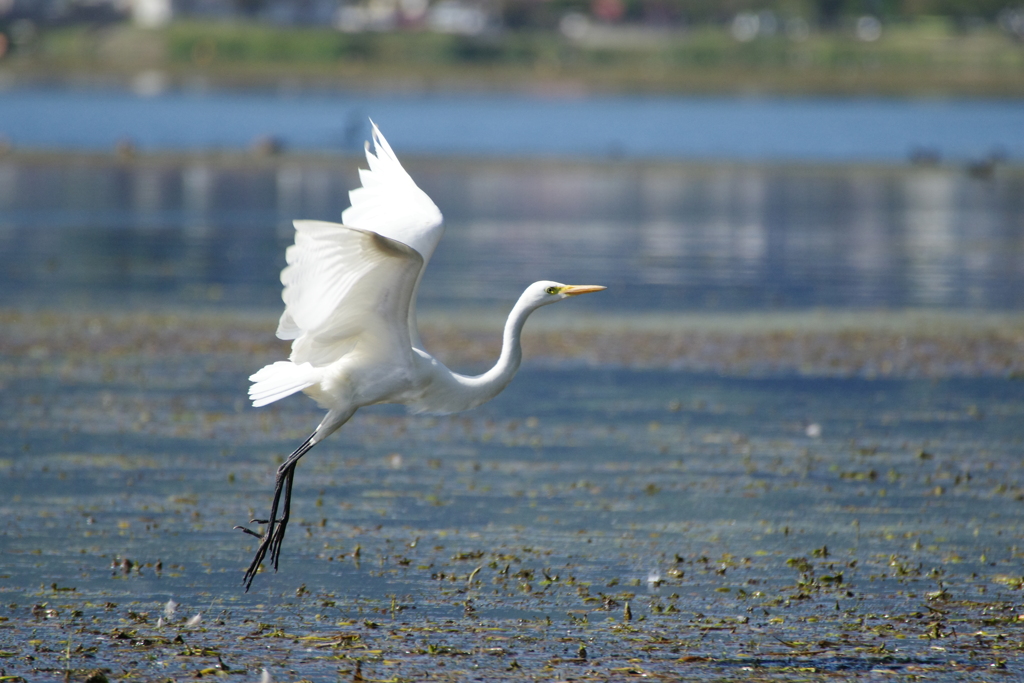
756, 501
663, 237
500, 126
496, 544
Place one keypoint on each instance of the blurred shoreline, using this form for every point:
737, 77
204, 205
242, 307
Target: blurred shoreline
912, 60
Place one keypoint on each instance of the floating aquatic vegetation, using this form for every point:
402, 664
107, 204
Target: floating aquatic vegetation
605, 523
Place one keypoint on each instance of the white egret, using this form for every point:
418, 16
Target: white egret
350, 309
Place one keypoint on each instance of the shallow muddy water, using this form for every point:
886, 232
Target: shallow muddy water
756, 527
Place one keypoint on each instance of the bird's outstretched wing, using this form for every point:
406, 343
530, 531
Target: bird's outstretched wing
389, 203
345, 286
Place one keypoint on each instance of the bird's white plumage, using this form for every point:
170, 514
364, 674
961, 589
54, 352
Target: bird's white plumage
281, 379
343, 288
389, 203
341, 282
354, 284
350, 296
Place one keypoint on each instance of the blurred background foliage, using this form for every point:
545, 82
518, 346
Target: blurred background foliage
955, 47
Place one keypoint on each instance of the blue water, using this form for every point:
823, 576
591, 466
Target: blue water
661, 236
127, 437
753, 129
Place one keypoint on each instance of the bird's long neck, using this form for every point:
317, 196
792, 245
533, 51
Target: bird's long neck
488, 385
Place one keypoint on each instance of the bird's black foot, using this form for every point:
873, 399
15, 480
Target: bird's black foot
270, 541
248, 531
272, 538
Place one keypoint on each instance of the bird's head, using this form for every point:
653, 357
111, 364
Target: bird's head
547, 292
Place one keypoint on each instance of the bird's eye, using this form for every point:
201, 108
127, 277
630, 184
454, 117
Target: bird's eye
552, 290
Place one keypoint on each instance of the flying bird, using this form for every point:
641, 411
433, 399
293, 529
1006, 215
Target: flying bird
350, 311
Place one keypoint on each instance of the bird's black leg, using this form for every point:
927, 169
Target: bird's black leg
275, 542
273, 529
274, 535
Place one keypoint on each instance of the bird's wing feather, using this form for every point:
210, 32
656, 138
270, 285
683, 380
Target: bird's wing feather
278, 380
389, 203
344, 286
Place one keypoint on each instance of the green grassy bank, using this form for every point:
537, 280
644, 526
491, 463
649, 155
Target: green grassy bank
918, 59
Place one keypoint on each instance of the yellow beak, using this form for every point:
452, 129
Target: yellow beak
573, 290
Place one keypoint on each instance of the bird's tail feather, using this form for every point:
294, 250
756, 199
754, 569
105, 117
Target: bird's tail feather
280, 379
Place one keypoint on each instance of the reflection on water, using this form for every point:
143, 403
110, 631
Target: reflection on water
664, 237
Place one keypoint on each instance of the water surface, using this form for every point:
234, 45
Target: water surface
832, 498
755, 527
502, 126
662, 237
